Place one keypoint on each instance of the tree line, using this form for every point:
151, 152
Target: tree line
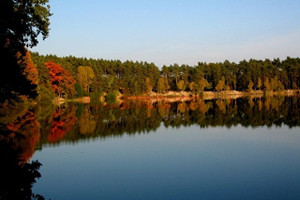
49, 76
70, 76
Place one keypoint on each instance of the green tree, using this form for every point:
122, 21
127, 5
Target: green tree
275, 84
78, 89
148, 84
166, 84
160, 85
85, 77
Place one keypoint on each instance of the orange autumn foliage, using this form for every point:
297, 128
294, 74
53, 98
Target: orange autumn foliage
55, 71
68, 83
61, 79
29, 69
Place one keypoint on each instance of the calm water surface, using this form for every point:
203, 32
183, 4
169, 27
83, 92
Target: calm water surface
184, 163
227, 149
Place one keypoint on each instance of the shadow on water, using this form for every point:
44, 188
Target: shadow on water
18, 138
17, 177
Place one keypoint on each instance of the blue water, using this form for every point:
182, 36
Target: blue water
183, 163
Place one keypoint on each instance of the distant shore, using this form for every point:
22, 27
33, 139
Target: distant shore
206, 95
174, 96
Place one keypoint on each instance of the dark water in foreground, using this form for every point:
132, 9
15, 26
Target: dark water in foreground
217, 149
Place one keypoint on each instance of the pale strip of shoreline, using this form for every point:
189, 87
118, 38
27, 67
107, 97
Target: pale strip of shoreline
173, 96
207, 95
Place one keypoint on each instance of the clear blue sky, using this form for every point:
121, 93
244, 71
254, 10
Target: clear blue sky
170, 31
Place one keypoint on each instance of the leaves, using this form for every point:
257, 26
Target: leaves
62, 80
85, 77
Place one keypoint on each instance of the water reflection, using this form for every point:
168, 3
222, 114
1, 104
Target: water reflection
18, 138
26, 128
73, 122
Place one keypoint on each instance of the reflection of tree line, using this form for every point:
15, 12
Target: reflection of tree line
136, 117
25, 128
29, 129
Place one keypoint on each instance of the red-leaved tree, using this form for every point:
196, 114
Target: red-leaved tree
62, 80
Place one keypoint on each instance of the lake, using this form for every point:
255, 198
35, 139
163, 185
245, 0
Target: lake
245, 148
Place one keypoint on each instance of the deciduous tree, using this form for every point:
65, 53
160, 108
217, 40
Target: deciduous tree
221, 84
85, 77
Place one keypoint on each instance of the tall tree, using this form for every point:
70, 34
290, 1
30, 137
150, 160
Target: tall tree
181, 85
160, 85
29, 69
85, 77
55, 72
68, 83
21, 22
63, 83
221, 84
202, 84
148, 84
259, 83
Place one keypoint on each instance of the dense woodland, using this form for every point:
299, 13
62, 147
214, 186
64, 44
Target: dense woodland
74, 77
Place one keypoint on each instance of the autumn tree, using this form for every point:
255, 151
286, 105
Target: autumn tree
62, 81
267, 85
275, 84
181, 85
250, 86
192, 86
29, 69
55, 72
259, 83
85, 77
203, 84
68, 83
221, 84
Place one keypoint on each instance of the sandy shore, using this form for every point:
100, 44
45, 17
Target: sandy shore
207, 95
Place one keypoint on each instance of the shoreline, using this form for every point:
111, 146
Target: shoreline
207, 95
173, 96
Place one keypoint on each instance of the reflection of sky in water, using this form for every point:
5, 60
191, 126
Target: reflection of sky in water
184, 163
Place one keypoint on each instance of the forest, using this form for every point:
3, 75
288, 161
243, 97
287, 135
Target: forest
71, 77
29, 75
